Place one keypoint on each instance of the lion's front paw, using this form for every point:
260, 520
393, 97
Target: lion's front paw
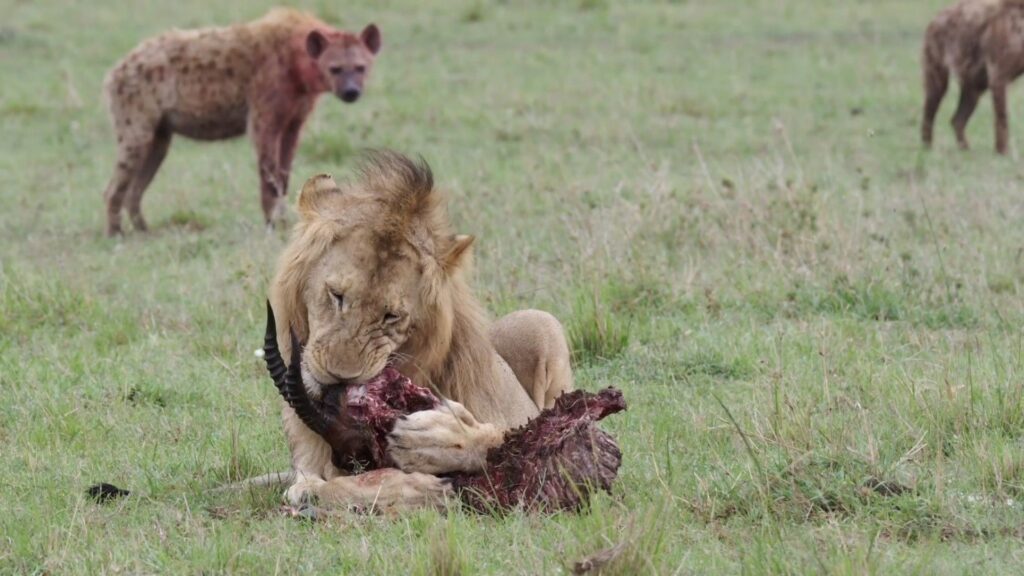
303, 491
448, 439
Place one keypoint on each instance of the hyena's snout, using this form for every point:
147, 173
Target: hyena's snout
350, 90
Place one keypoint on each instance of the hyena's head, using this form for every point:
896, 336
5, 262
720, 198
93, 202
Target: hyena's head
344, 59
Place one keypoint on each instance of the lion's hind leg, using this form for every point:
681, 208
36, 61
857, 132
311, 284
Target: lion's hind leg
384, 490
533, 344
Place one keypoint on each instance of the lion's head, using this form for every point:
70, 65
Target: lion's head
374, 275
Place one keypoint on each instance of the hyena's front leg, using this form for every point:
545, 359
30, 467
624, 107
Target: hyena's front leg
267, 132
998, 88
289, 143
936, 80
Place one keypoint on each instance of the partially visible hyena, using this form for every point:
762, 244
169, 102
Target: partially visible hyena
982, 43
261, 77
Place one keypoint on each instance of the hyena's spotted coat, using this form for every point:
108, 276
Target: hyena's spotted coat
261, 77
982, 43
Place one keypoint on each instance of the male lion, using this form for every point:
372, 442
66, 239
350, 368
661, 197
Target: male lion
375, 276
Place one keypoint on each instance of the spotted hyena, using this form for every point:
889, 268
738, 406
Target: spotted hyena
261, 77
982, 43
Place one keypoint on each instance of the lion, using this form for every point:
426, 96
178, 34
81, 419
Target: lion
375, 276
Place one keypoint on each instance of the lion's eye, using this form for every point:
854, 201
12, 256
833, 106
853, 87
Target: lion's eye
338, 297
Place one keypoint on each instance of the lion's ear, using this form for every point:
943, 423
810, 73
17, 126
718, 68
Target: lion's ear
457, 253
314, 192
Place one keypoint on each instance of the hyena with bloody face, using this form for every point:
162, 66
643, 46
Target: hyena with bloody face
261, 77
982, 43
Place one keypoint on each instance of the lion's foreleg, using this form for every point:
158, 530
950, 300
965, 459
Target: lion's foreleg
446, 439
384, 490
311, 455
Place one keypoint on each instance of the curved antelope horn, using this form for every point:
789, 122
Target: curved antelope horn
289, 379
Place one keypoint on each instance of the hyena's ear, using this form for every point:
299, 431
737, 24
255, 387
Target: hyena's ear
316, 42
371, 37
314, 194
457, 254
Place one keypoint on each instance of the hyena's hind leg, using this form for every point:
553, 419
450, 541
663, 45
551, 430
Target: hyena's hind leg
136, 129
1002, 116
971, 90
154, 157
936, 81
130, 160
533, 344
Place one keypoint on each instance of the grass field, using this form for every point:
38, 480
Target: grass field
817, 325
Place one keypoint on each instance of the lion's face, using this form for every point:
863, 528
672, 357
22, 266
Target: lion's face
364, 301
368, 277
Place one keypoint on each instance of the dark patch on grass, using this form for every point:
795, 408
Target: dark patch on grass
503, 135
188, 220
713, 365
885, 488
145, 397
221, 512
473, 13
104, 492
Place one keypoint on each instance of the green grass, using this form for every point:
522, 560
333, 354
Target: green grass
802, 303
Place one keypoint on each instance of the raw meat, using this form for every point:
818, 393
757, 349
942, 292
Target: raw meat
554, 462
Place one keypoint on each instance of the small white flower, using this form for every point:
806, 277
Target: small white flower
259, 353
